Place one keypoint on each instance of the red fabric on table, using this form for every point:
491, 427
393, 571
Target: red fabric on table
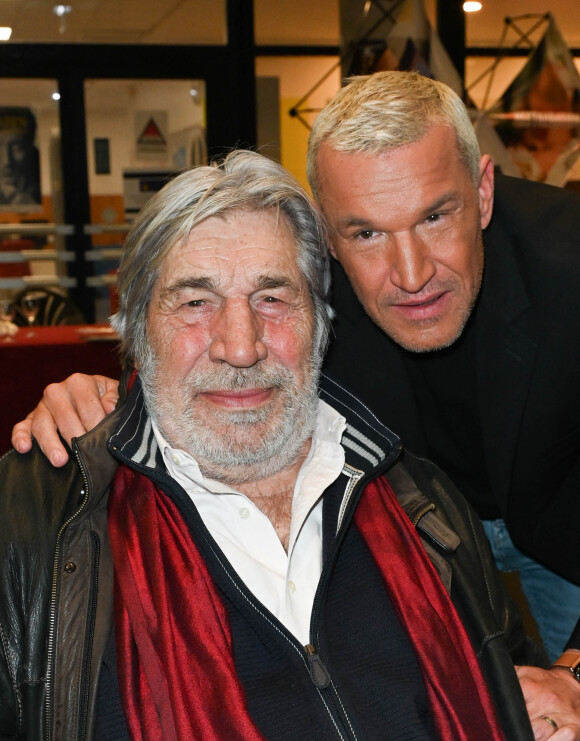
29, 363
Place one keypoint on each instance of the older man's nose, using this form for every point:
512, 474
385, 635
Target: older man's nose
236, 335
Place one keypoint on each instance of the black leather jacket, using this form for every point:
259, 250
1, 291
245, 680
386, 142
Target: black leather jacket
56, 577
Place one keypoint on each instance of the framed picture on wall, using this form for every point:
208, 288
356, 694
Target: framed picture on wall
102, 158
19, 160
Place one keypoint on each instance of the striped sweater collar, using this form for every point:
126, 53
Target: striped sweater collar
367, 442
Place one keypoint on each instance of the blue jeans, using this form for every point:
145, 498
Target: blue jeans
554, 602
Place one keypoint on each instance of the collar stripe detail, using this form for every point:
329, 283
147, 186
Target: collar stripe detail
352, 445
366, 441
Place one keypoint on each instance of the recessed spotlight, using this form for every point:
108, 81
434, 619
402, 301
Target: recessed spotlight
55, 96
472, 7
5, 33
61, 10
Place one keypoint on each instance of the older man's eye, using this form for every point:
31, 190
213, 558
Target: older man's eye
196, 302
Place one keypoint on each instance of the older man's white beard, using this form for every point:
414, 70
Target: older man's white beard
238, 446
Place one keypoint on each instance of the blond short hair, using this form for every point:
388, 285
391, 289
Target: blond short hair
386, 110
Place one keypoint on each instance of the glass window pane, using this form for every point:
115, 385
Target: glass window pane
297, 22
139, 133
296, 77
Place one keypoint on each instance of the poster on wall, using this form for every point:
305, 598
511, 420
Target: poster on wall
413, 44
538, 116
19, 160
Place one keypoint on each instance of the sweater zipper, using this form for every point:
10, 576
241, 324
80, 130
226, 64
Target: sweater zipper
322, 680
319, 673
53, 600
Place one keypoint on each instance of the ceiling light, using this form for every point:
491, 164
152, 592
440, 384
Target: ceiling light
61, 10
472, 7
56, 96
5, 33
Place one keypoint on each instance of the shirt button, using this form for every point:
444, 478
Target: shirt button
175, 458
292, 586
244, 513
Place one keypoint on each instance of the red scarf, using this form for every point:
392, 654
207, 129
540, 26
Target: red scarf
460, 702
175, 662
175, 665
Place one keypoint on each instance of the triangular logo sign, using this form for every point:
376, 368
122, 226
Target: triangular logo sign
151, 135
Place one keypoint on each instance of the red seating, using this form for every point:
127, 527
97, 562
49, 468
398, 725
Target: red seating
15, 269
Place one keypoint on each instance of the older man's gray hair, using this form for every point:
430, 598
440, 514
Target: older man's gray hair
244, 180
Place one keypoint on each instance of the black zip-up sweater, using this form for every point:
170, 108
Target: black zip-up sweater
56, 594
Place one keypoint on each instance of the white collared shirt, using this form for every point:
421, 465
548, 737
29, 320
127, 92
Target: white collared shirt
285, 583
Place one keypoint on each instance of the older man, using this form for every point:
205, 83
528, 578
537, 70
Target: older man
229, 555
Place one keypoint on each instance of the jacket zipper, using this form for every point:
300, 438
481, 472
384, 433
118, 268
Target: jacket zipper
53, 600
88, 651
